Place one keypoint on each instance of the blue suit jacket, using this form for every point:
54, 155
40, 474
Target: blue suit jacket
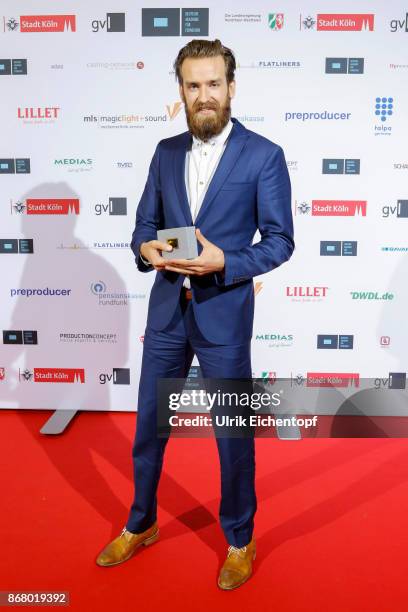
249, 191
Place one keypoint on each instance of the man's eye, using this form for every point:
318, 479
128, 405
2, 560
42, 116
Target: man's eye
193, 86
214, 84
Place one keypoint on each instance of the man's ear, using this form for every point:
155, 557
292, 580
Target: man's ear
231, 89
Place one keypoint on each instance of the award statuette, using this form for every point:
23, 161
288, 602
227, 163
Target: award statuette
182, 239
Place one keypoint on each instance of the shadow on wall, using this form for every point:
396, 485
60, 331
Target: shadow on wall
57, 265
74, 269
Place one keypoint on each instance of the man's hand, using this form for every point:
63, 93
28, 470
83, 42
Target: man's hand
151, 251
211, 259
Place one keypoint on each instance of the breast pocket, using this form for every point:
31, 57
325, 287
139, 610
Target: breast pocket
237, 185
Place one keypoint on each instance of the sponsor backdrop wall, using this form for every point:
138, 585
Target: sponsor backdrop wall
88, 90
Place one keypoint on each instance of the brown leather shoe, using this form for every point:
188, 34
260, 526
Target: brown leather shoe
237, 567
123, 547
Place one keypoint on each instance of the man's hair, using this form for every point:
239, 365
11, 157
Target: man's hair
206, 48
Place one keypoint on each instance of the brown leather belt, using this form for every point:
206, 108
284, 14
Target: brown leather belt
187, 293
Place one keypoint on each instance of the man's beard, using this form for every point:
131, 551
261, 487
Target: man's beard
205, 127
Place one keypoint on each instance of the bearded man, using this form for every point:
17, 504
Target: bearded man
229, 182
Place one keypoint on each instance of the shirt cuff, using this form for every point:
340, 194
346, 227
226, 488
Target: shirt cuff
145, 261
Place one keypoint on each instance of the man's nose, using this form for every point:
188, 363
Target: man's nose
203, 95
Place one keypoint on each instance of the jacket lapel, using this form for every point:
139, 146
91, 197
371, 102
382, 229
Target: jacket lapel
179, 164
235, 144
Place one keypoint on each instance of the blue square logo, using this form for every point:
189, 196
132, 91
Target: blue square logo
327, 341
336, 65
160, 22
330, 248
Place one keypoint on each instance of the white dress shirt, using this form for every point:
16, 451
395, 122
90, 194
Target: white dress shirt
201, 164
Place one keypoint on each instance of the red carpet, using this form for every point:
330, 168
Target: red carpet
331, 523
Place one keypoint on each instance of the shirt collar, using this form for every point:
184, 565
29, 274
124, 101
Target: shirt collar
219, 139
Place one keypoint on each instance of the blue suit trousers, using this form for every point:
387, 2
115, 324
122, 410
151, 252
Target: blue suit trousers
168, 354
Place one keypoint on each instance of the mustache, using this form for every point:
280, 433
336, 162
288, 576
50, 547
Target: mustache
207, 106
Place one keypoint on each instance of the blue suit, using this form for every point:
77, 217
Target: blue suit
249, 191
